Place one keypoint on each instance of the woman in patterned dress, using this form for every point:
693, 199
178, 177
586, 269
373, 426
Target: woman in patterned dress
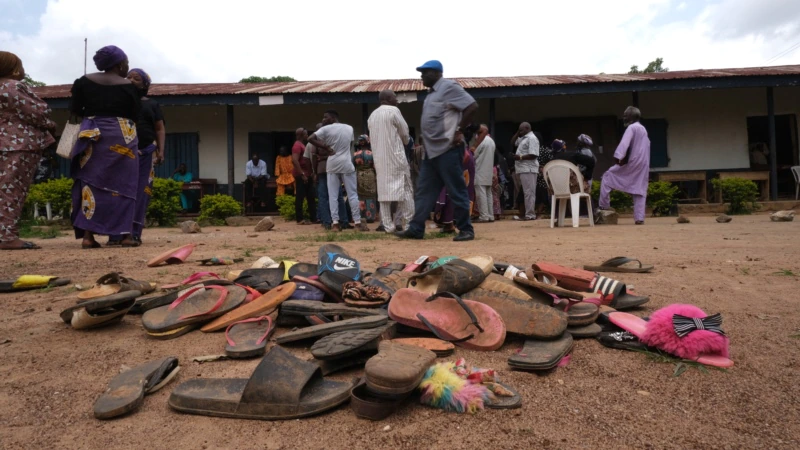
283, 170
25, 131
367, 179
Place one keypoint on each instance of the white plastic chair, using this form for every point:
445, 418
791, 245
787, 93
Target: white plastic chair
796, 173
556, 175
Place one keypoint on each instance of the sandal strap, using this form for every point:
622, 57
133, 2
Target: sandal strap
222, 296
436, 333
461, 303
618, 261
251, 320
254, 294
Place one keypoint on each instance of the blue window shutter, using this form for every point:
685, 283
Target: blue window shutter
180, 148
657, 132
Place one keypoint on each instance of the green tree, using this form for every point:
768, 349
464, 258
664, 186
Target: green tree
31, 82
257, 79
653, 67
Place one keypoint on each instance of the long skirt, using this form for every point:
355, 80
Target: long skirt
105, 166
15, 179
367, 188
496, 192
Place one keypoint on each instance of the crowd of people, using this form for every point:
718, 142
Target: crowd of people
456, 172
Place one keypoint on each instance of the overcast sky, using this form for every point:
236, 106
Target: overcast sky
224, 41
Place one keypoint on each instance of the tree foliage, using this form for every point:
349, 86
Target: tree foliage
655, 66
33, 83
257, 79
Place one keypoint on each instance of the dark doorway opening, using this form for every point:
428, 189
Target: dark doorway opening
786, 148
266, 146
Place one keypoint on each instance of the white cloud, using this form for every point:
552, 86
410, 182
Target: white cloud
205, 41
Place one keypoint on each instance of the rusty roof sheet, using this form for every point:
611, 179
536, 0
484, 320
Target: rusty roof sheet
412, 85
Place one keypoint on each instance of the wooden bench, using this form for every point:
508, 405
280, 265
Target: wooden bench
759, 177
676, 177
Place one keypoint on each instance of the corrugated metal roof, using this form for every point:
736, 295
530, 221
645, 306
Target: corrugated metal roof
412, 85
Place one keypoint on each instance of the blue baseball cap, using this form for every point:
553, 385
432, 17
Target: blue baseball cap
431, 65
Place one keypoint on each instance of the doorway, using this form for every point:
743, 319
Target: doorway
785, 143
266, 146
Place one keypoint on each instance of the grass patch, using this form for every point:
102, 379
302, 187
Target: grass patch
345, 236
368, 249
248, 253
785, 273
745, 270
681, 365
31, 230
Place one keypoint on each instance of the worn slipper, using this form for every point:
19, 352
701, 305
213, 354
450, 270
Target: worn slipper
520, 313
348, 343
330, 295
618, 264
541, 355
457, 276
173, 256
112, 283
313, 308
505, 397
366, 405
467, 323
126, 391
154, 300
325, 329
190, 280
396, 280
622, 340
195, 307
336, 267
261, 279
281, 387
100, 311
248, 338
586, 331
261, 306
303, 270
305, 291
397, 369
612, 292
388, 268
29, 282
439, 347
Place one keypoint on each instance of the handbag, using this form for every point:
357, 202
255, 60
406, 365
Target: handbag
68, 138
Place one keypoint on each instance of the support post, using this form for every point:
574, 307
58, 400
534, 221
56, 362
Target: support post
491, 117
636, 99
773, 152
229, 110
364, 118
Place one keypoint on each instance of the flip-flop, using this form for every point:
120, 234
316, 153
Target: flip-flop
622, 340
520, 313
439, 347
303, 270
154, 300
191, 279
248, 338
261, 306
617, 264
126, 391
663, 331
173, 256
30, 282
466, 323
397, 280
281, 387
195, 307
457, 276
26, 245
313, 308
503, 402
612, 292
547, 283
325, 329
336, 267
261, 279
99, 312
541, 355
345, 344
331, 296
366, 405
397, 369
113, 283
586, 331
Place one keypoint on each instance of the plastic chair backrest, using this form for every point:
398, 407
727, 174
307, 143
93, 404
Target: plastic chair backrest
796, 173
557, 175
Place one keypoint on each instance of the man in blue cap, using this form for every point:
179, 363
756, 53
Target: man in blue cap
448, 110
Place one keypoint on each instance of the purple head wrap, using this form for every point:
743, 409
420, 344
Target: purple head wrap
558, 145
108, 57
585, 140
145, 79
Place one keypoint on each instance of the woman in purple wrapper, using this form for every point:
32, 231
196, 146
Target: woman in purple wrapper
152, 135
105, 159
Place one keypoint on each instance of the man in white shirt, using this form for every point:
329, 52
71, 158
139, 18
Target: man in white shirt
389, 136
484, 171
256, 182
527, 167
335, 140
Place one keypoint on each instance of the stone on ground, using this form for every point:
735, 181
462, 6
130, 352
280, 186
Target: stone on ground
190, 227
265, 224
607, 217
683, 219
782, 216
724, 218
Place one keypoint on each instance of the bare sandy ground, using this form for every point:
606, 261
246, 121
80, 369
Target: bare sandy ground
50, 375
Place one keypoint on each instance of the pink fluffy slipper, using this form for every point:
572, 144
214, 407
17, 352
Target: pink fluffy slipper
665, 324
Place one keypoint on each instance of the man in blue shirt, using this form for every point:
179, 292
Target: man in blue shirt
447, 110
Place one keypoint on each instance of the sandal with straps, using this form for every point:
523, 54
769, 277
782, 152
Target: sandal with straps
248, 338
195, 307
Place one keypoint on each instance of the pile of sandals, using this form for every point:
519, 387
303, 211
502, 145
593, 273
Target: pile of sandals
395, 322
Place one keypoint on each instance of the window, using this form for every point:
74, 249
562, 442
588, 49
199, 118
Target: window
180, 148
657, 131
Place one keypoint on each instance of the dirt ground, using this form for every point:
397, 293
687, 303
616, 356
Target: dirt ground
50, 375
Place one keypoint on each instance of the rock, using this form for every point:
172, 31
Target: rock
782, 216
265, 262
607, 217
265, 224
724, 218
683, 219
241, 221
190, 227
387, 428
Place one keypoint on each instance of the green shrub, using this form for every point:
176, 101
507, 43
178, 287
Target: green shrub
58, 192
661, 196
286, 207
217, 208
740, 194
165, 202
620, 201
